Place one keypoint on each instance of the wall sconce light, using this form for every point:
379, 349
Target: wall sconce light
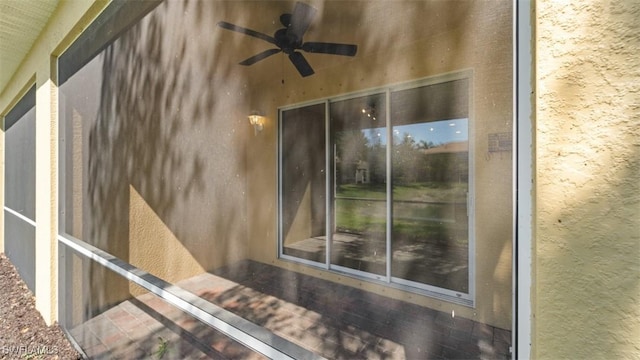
257, 121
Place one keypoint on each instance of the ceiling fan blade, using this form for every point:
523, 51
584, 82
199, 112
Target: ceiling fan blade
236, 28
254, 59
300, 20
301, 64
330, 48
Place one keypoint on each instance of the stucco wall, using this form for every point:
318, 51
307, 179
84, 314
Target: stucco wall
587, 249
177, 173
586, 274
404, 47
155, 132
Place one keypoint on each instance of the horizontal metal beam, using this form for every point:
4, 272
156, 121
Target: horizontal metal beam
20, 216
247, 333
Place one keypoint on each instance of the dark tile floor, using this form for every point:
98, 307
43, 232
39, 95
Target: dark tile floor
421, 333
335, 321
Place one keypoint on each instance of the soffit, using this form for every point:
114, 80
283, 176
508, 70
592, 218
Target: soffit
21, 22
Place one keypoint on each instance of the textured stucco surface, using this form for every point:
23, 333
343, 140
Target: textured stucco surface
587, 246
154, 247
155, 156
587, 268
458, 36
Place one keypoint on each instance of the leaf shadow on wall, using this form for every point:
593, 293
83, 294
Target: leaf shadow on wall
168, 126
588, 256
171, 123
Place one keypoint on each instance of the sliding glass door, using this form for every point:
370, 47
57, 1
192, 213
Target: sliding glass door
386, 175
358, 140
303, 213
430, 167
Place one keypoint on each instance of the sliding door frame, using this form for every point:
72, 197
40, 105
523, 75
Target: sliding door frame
466, 299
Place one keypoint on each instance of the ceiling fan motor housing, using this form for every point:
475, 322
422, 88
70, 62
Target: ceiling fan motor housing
289, 39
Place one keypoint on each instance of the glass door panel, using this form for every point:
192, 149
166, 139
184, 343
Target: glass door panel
359, 142
303, 182
430, 167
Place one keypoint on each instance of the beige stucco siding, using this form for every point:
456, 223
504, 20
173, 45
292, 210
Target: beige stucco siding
459, 36
586, 247
587, 250
174, 176
160, 154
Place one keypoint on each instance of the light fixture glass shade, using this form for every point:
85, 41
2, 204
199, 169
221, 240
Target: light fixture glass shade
257, 121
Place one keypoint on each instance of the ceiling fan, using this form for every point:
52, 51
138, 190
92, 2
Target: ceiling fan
289, 39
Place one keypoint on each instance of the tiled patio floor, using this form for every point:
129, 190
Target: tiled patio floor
335, 321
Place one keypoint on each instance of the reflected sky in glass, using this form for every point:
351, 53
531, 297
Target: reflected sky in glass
435, 132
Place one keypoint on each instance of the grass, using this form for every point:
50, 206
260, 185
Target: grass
412, 220
429, 191
358, 215
163, 348
368, 191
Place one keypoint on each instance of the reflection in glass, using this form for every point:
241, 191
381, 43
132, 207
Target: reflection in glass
430, 157
359, 166
303, 182
429, 139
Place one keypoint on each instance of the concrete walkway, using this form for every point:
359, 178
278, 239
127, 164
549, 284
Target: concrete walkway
335, 321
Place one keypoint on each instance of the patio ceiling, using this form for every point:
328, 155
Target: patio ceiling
21, 22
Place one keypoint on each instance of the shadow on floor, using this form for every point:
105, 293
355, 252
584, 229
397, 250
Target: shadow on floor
333, 320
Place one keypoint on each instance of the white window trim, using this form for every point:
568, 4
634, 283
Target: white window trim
523, 186
465, 299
